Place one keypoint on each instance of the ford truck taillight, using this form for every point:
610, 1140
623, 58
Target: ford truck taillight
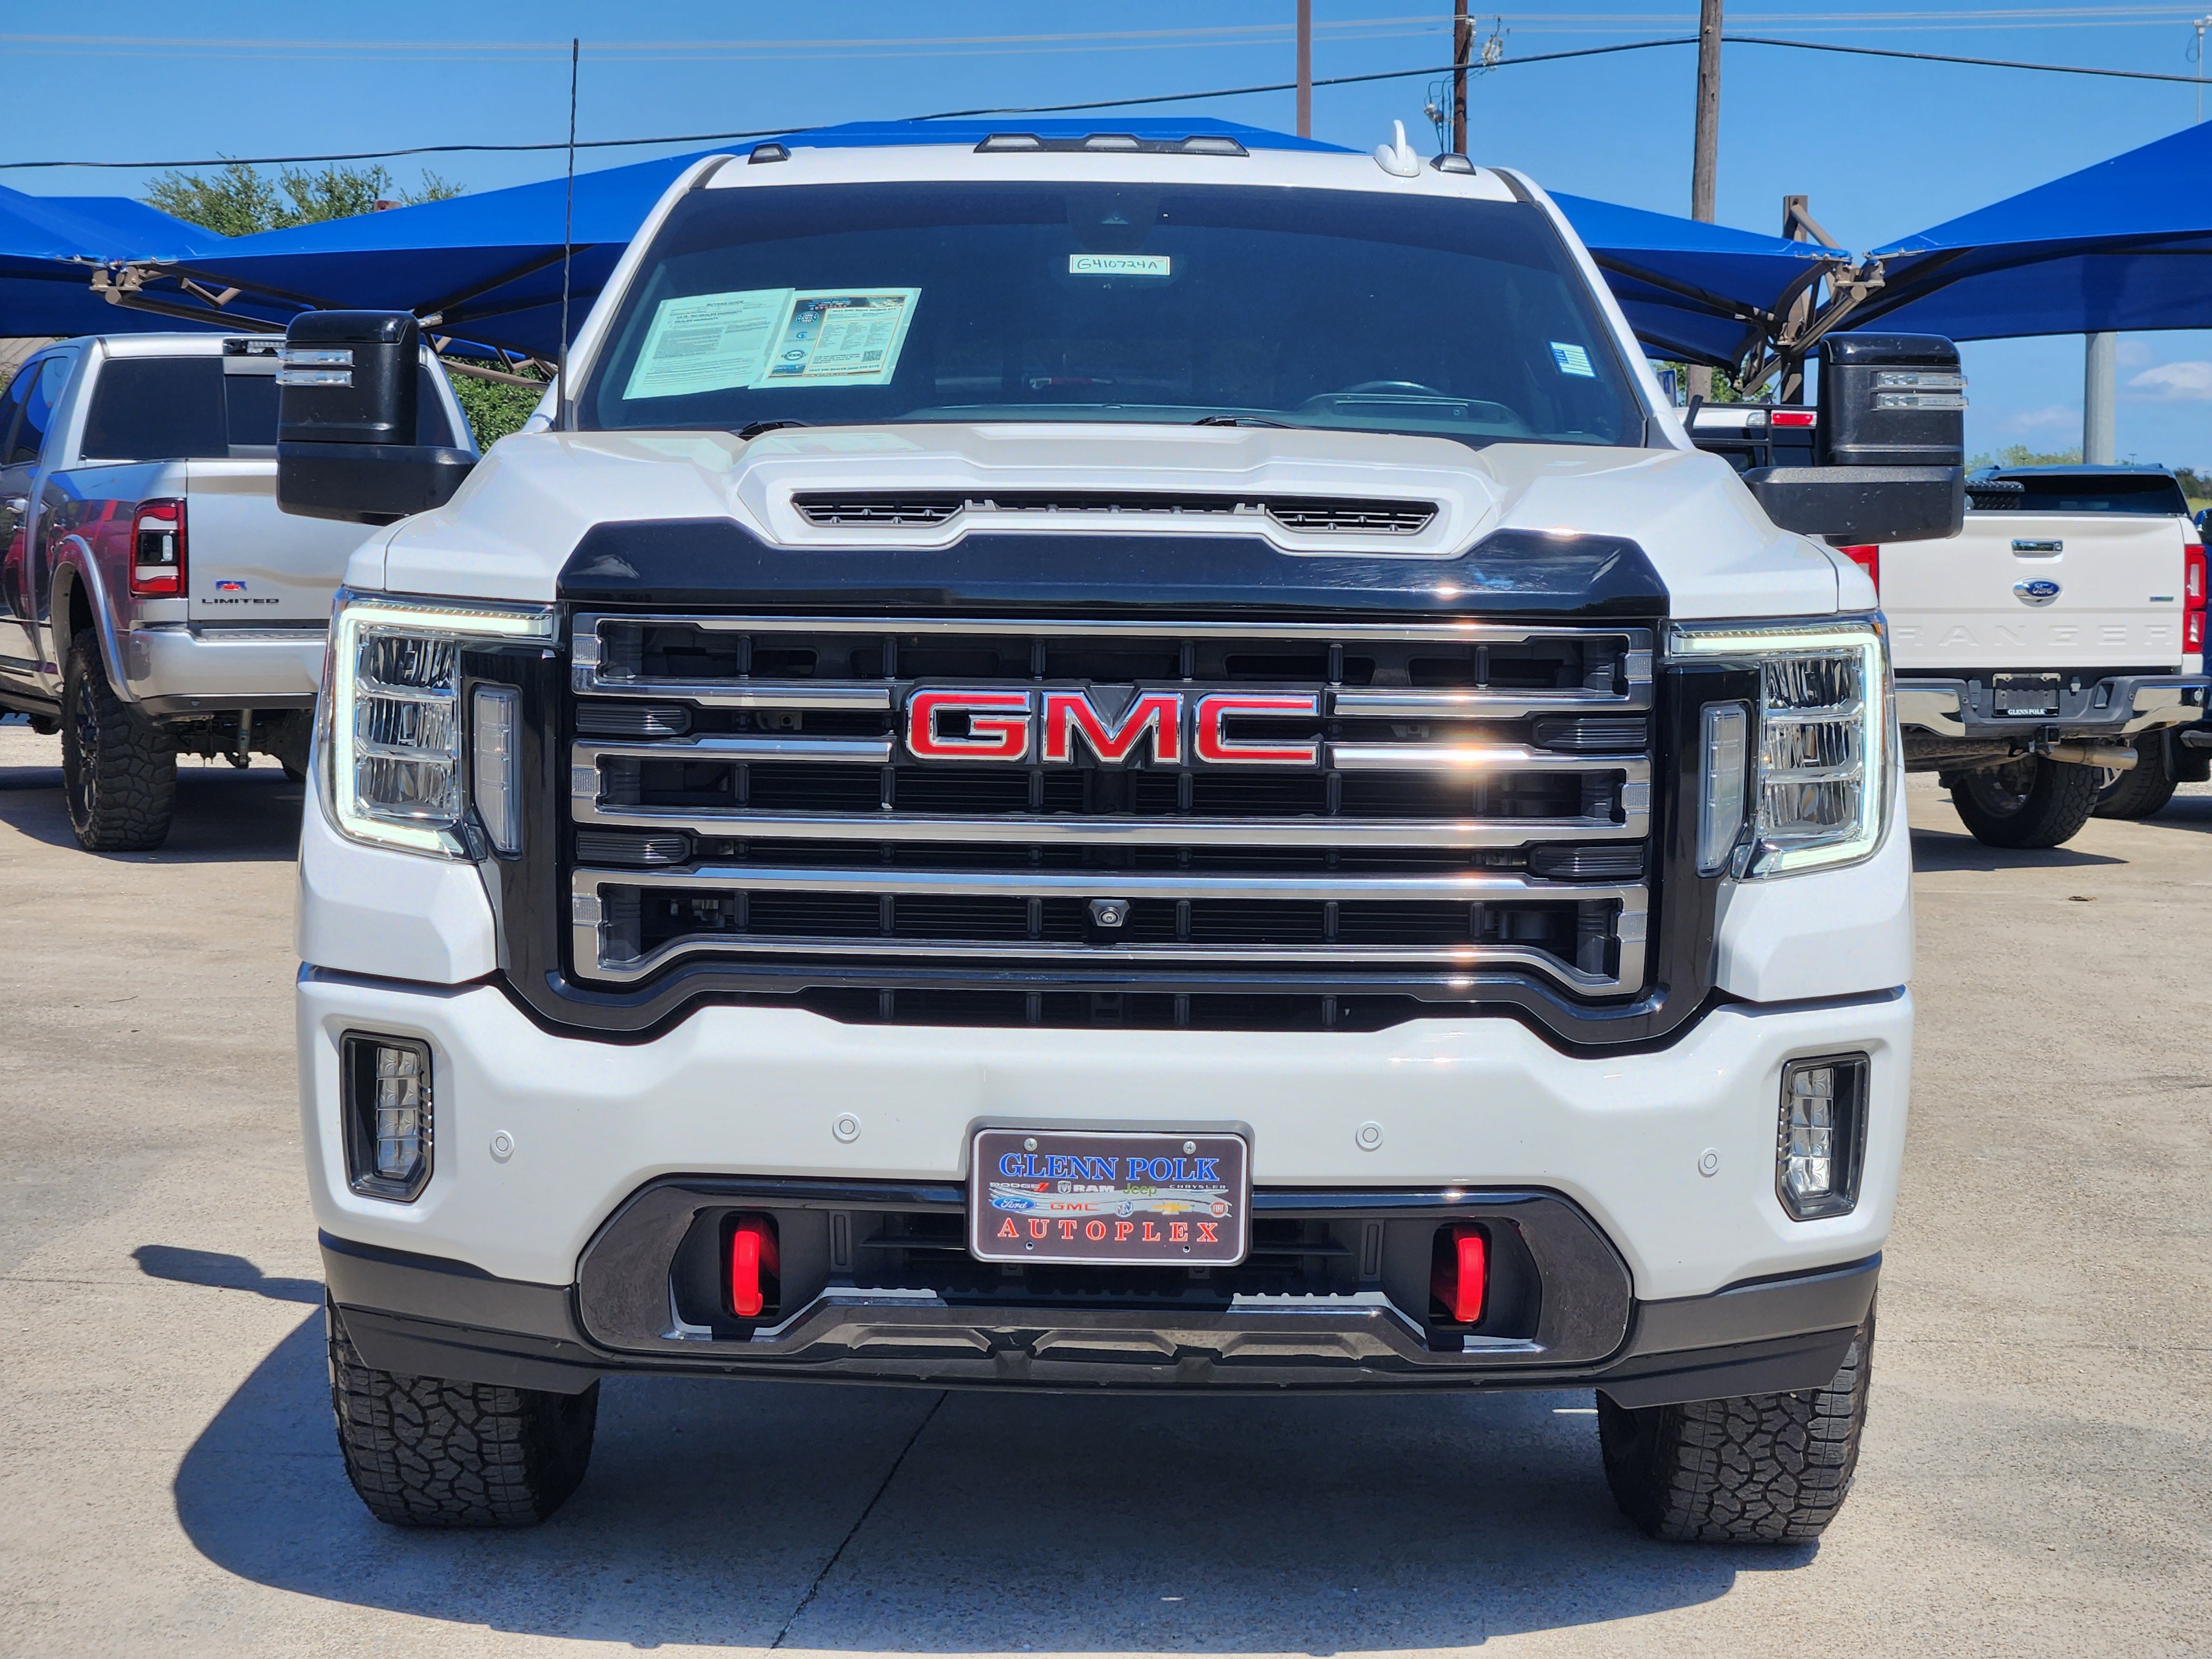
2192, 598
157, 550
1868, 559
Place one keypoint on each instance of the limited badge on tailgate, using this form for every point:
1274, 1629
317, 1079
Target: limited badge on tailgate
1108, 1198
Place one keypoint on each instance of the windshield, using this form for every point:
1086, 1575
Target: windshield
926, 301
2082, 492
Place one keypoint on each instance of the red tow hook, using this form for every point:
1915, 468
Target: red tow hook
1461, 1271
753, 1266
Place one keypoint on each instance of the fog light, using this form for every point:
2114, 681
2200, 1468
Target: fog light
388, 1115
1821, 1132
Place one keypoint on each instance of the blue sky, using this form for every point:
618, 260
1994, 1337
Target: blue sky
1883, 148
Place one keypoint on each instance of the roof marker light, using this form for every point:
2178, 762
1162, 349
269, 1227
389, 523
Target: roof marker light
767, 153
1212, 143
1452, 163
1112, 141
1009, 141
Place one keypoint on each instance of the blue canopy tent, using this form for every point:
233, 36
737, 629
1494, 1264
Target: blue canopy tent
488, 267
1702, 293
2113, 246
52, 248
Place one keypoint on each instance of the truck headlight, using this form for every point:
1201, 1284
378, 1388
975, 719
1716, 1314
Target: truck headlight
391, 722
1822, 755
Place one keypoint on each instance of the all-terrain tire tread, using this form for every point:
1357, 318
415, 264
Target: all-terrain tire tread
118, 768
423, 1451
2146, 787
2051, 814
1770, 1468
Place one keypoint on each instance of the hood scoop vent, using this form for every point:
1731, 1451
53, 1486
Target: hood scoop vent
1302, 515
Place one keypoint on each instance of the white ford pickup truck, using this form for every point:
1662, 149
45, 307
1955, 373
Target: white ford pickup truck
2049, 653
1123, 761
153, 600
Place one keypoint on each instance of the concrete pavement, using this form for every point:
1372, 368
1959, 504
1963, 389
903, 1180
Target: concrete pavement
2037, 1476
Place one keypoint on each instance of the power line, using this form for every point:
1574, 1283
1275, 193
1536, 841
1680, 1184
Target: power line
1121, 103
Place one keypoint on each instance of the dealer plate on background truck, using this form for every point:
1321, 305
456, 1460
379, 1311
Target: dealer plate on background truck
1125, 762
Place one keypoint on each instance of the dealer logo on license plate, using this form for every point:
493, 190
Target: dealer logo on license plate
1106, 1198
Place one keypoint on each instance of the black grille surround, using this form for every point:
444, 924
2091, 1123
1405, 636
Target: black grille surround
645, 572
1390, 829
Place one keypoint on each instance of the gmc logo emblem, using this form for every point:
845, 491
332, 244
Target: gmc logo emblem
1059, 726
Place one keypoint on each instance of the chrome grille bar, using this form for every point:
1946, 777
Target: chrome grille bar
589, 914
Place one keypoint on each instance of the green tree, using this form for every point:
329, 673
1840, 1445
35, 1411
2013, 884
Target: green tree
494, 408
2021, 455
240, 200
1724, 387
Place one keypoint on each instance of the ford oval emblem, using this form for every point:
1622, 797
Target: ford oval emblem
2041, 591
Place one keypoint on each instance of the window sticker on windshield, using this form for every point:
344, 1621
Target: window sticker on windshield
1117, 265
707, 343
1572, 359
841, 337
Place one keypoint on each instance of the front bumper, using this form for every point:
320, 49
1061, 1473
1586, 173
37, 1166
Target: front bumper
542, 1140
177, 669
2116, 706
422, 1317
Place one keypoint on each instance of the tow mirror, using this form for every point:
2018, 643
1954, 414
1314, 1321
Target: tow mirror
348, 404
1889, 445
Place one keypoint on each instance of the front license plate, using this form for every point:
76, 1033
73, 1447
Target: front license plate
1109, 1199
2025, 694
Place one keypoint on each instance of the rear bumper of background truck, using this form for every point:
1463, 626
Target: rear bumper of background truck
2117, 706
178, 669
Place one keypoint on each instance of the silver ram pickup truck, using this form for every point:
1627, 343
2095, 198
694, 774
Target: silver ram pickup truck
153, 600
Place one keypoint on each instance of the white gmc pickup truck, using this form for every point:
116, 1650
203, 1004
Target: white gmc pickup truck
1087, 760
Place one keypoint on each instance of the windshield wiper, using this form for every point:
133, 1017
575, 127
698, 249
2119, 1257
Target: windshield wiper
1237, 420
747, 434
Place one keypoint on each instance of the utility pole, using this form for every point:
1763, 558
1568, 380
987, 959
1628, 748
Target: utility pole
1305, 68
2100, 382
1704, 165
2200, 24
1462, 49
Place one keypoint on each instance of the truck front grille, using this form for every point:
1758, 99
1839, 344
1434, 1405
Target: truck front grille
1438, 799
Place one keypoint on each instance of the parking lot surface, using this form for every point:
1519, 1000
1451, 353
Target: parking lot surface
2037, 1475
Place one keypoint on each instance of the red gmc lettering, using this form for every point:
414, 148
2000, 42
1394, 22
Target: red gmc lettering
997, 726
1067, 713
1213, 745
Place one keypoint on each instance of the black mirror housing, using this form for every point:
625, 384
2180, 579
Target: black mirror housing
348, 410
1889, 445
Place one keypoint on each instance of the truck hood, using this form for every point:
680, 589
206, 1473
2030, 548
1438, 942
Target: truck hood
514, 525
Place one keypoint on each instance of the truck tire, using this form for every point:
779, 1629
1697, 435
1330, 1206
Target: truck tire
2029, 802
422, 1452
2145, 788
118, 768
1767, 1469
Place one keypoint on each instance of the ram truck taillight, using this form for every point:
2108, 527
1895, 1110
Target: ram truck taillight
157, 550
1868, 559
2192, 599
